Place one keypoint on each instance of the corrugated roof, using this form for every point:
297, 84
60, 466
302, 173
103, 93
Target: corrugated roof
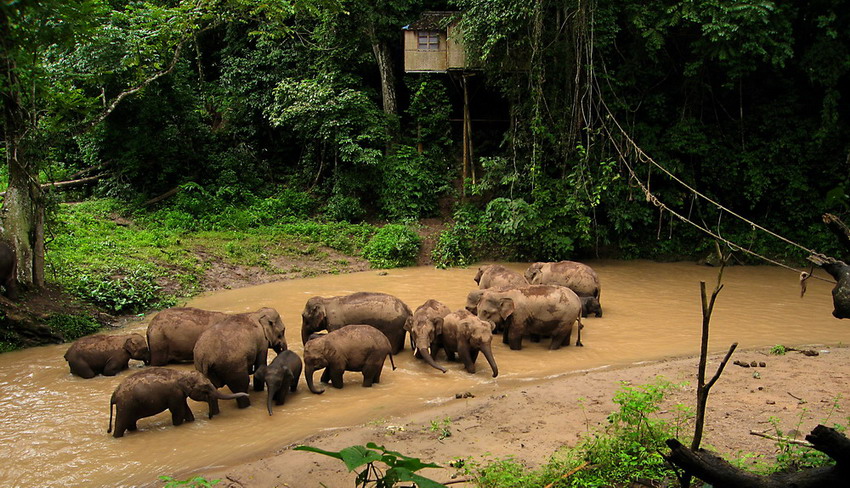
432, 20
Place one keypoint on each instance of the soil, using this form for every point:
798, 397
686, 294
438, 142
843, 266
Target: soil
530, 423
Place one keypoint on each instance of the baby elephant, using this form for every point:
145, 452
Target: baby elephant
351, 348
154, 390
280, 376
105, 354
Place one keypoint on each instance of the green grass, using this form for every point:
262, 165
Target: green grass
119, 260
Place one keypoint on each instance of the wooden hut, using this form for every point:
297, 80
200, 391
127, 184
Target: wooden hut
433, 44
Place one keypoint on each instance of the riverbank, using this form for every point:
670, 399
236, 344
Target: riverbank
793, 392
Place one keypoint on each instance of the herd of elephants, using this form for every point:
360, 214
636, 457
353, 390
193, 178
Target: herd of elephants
363, 329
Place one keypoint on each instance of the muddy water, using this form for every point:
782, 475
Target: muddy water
53, 425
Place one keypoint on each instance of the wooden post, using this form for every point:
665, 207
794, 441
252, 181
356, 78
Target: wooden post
466, 155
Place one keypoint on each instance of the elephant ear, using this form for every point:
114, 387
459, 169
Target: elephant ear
478, 275
408, 324
438, 325
506, 307
186, 382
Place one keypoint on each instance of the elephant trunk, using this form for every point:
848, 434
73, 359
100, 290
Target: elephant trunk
272, 392
308, 376
305, 335
488, 354
217, 395
426, 355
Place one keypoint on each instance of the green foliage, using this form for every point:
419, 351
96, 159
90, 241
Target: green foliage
73, 327
441, 427
629, 448
196, 482
778, 350
400, 468
121, 290
462, 243
393, 246
411, 183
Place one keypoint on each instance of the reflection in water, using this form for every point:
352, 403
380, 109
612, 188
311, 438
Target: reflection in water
53, 425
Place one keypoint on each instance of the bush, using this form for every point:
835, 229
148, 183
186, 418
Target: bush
410, 185
73, 327
460, 244
121, 291
393, 246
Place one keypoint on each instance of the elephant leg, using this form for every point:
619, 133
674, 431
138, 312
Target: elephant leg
122, 423
398, 342
180, 411
159, 356
326, 376
260, 379
378, 372
115, 365
335, 376
534, 337
515, 338
81, 369
468, 361
372, 374
450, 355
561, 337
239, 384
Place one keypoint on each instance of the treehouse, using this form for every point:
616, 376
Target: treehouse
433, 44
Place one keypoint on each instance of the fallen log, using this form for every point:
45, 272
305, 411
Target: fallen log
717, 472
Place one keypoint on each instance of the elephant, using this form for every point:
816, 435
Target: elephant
105, 354
173, 332
356, 347
231, 350
474, 297
424, 336
576, 276
384, 312
154, 390
9, 270
542, 310
496, 275
280, 376
590, 305
465, 334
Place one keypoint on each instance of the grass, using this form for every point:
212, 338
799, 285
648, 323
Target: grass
131, 261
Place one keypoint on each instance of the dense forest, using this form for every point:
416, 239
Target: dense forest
302, 109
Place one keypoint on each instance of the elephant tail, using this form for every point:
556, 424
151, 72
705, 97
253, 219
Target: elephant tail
580, 326
111, 404
391, 361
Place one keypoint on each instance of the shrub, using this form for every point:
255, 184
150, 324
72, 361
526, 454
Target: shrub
121, 291
410, 185
73, 327
393, 246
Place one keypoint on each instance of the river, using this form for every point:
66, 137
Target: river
53, 425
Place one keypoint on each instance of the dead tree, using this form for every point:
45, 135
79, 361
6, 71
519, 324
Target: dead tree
715, 471
837, 269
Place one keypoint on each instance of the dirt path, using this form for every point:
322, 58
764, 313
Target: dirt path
530, 423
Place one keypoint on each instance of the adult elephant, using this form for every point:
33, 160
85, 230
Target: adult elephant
173, 332
425, 331
542, 310
576, 276
356, 347
496, 275
154, 390
467, 335
380, 310
231, 350
105, 354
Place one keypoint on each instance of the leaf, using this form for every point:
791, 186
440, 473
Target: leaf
403, 474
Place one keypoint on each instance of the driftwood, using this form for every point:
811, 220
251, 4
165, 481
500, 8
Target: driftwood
717, 472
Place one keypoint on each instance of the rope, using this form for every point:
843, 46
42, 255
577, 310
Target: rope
647, 159
650, 197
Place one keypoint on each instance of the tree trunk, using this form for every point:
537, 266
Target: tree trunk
720, 474
22, 216
383, 57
